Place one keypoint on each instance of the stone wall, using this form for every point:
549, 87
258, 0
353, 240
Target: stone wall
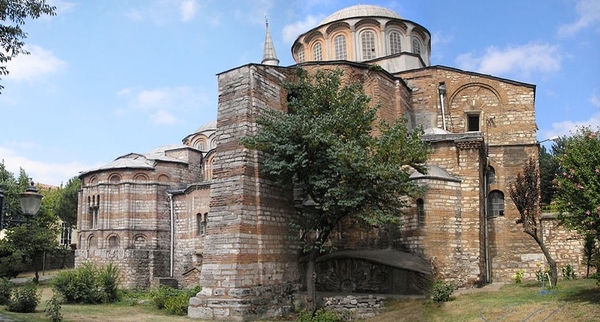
355, 306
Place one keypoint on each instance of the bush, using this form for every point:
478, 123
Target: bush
442, 291
53, 309
568, 273
518, 278
173, 301
88, 284
322, 315
24, 299
5, 287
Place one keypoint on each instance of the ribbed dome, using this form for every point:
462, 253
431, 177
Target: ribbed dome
360, 11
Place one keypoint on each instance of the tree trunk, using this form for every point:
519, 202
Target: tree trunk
311, 278
551, 261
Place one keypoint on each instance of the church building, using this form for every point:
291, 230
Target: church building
201, 212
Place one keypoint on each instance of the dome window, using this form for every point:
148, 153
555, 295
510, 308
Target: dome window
367, 41
416, 46
318, 52
300, 55
339, 44
395, 43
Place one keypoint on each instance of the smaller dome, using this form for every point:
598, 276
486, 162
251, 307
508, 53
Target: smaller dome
360, 11
210, 126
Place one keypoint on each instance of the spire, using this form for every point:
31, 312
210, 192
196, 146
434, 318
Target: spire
269, 55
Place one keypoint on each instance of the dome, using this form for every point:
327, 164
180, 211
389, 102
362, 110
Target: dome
210, 126
360, 11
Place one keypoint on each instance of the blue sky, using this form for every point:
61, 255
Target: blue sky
106, 78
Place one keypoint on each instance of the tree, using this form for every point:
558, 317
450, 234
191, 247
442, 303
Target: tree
26, 241
525, 193
66, 207
548, 171
347, 170
577, 196
11, 34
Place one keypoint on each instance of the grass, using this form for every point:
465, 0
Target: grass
572, 301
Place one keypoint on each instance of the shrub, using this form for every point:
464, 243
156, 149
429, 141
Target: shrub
442, 291
173, 301
518, 278
53, 309
88, 284
5, 287
24, 299
322, 315
568, 273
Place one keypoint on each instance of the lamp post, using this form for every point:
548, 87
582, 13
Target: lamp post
30, 201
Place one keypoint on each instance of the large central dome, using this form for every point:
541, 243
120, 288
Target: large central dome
360, 11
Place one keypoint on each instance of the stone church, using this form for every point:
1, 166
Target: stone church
201, 212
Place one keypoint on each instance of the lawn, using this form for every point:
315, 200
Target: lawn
575, 300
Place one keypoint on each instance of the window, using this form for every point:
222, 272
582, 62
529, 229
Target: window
66, 234
339, 43
113, 242
416, 46
201, 222
300, 54
94, 204
318, 52
395, 43
367, 41
491, 175
495, 204
472, 122
421, 212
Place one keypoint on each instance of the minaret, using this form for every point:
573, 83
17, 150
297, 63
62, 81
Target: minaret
269, 55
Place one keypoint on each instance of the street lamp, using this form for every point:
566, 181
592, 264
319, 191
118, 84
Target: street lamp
30, 201
554, 138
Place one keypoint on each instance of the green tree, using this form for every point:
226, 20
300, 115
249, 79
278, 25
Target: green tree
525, 193
577, 196
548, 171
66, 206
12, 16
26, 241
326, 145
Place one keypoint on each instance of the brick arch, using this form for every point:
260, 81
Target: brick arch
113, 241
476, 99
468, 84
141, 177
139, 241
92, 242
114, 178
92, 180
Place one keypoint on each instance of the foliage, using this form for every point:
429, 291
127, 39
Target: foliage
442, 291
568, 272
590, 253
52, 309
518, 278
174, 301
577, 195
24, 241
322, 315
542, 274
11, 35
24, 299
325, 145
66, 206
88, 284
6, 287
548, 170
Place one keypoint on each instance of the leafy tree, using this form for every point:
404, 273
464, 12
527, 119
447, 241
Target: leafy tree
66, 206
525, 193
27, 240
346, 169
577, 196
548, 171
11, 35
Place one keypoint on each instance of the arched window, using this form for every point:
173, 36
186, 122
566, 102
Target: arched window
201, 222
495, 203
208, 167
421, 212
491, 175
92, 242
367, 41
318, 52
300, 55
339, 43
113, 242
395, 42
416, 46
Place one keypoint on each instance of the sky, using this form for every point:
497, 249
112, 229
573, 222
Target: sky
111, 77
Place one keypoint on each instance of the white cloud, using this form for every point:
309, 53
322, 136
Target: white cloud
568, 127
514, 60
588, 12
164, 106
292, 31
254, 13
42, 172
35, 66
439, 38
189, 8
